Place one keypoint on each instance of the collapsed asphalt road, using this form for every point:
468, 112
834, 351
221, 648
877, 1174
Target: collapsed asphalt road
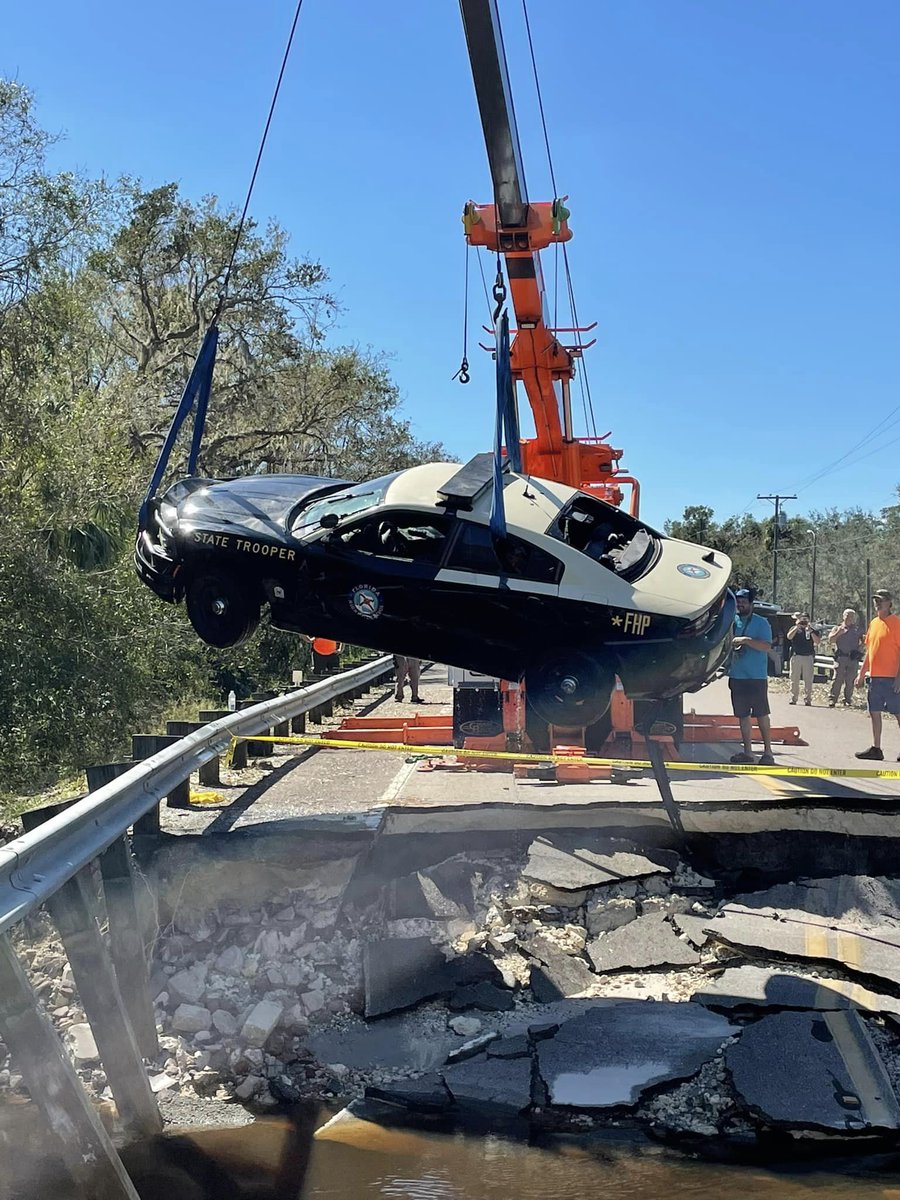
563, 982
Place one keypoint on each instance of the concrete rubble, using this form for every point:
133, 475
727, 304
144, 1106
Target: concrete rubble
565, 983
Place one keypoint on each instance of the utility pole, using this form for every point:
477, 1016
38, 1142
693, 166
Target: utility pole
778, 499
812, 598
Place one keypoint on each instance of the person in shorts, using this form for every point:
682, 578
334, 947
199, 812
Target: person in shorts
882, 665
748, 678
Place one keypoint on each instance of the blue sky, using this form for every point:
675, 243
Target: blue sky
733, 176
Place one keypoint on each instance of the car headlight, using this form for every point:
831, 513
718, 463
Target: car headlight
705, 621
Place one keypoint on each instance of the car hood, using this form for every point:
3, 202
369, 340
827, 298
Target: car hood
690, 576
258, 504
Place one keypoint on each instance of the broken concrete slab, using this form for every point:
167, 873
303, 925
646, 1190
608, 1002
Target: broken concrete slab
768, 987
426, 1094
572, 863
612, 1053
402, 1040
471, 1048
648, 941
693, 927
510, 1047
861, 900
556, 974
485, 996
793, 934
490, 1089
400, 972
810, 1070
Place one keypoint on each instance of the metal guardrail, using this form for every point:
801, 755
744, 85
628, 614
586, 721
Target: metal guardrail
33, 867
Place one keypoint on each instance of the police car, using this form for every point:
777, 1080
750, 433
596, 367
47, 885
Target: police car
575, 593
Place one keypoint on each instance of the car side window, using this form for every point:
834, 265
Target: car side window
409, 537
475, 551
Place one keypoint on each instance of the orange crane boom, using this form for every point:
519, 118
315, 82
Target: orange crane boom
519, 230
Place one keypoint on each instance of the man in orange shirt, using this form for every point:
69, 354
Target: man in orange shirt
326, 654
882, 665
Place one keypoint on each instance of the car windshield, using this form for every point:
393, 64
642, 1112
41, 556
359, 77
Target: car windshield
343, 504
611, 537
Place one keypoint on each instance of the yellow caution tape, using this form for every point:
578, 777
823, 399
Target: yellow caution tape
578, 760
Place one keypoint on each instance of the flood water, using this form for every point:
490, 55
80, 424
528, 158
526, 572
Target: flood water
400, 1164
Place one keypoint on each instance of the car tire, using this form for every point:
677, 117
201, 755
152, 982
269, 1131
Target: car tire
569, 689
222, 610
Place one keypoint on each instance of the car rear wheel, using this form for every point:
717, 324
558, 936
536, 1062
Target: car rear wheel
222, 610
569, 689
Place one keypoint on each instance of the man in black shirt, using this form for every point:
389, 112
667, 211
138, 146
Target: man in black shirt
803, 641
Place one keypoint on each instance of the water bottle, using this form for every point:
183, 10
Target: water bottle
232, 701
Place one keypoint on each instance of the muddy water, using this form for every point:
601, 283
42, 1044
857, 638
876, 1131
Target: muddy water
407, 1166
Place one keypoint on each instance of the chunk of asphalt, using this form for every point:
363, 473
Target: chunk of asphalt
648, 941
484, 996
573, 863
474, 1046
612, 1053
557, 974
542, 1030
487, 1090
394, 1041
856, 951
473, 968
426, 1094
860, 900
400, 972
510, 1047
693, 927
768, 987
813, 1070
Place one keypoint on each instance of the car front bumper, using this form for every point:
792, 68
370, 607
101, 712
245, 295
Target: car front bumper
679, 664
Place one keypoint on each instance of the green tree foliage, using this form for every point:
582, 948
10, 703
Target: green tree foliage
844, 541
106, 291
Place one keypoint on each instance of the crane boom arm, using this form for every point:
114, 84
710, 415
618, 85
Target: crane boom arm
519, 229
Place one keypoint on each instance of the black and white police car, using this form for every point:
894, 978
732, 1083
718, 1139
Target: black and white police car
576, 593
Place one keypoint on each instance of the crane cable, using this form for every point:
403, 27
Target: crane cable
587, 402
262, 145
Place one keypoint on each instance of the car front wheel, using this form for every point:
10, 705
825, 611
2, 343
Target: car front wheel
222, 610
569, 689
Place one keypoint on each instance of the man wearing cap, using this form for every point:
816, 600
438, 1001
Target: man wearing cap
846, 638
748, 678
882, 665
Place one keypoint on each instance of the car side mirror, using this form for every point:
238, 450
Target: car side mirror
329, 521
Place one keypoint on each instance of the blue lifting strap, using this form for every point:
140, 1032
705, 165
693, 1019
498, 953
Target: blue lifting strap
506, 429
197, 390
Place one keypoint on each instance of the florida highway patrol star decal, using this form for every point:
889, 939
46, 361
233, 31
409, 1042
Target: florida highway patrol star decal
366, 601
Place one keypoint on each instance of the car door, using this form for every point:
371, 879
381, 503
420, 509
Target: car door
505, 591
377, 573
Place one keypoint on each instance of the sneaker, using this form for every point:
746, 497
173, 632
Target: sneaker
807, 703
873, 753
398, 695
792, 701
832, 703
847, 703
742, 758
766, 760
418, 700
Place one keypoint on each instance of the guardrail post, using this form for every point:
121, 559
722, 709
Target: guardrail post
257, 749
210, 772
298, 723
126, 942
73, 909
144, 745
84, 1144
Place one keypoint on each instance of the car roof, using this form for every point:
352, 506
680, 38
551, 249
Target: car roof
530, 503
